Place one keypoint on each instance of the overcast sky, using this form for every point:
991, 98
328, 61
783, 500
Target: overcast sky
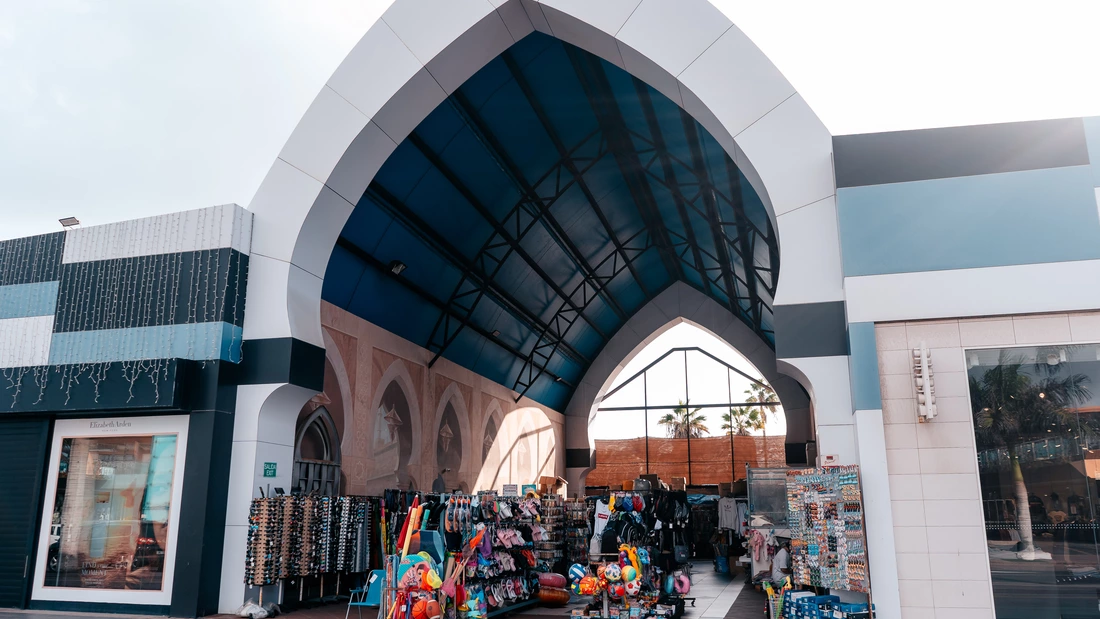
116, 109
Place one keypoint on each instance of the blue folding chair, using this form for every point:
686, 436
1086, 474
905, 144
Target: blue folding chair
369, 595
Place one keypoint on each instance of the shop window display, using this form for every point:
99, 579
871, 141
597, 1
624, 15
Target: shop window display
111, 513
1036, 415
110, 510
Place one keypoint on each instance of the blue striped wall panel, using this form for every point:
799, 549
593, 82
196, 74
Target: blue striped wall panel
863, 367
197, 341
26, 300
1024, 217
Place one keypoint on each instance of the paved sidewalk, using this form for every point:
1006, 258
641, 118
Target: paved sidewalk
714, 594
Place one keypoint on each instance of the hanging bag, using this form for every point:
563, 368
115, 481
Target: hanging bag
681, 552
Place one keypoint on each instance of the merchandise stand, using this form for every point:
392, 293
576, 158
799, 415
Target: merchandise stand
298, 538
828, 539
469, 556
642, 568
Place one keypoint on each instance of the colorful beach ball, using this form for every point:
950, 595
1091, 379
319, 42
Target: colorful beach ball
577, 572
629, 573
613, 572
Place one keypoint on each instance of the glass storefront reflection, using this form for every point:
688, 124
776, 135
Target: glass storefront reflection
110, 513
1036, 418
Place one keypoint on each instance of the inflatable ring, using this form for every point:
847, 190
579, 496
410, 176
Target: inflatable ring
682, 584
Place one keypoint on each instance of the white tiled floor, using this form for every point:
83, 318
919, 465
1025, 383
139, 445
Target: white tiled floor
714, 593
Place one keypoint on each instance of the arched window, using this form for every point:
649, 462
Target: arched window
317, 455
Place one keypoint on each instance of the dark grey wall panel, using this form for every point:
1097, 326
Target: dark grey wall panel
578, 458
24, 444
32, 259
900, 156
280, 360
149, 291
811, 330
70, 388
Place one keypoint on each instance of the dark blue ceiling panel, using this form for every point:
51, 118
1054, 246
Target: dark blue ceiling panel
537, 209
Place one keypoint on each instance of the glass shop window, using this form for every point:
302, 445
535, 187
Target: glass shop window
111, 512
1036, 415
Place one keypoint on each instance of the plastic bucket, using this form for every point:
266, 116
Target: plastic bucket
722, 565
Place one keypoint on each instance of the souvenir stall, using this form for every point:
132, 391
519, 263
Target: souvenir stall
828, 571
472, 557
639, 564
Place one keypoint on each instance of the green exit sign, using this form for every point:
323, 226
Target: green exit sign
269, 469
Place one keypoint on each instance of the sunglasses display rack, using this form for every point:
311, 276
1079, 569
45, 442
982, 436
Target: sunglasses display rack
302, 536
577, 531
353, 534
307, 560
264, 553
828, 544
326, 514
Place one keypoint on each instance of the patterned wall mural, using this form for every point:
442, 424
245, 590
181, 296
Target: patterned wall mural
406, 425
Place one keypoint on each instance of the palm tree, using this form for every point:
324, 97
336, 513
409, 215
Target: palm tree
681, 423
1012, 408
764, 395
741, 421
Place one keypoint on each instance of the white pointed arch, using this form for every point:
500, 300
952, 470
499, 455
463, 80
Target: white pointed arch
687, 49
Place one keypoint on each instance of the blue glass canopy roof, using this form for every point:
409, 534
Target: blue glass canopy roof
540, 206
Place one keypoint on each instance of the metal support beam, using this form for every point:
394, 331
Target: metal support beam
670, 178
713, 218
375, 263
548, 126
744, 238
600, 96
474, 273
499, 228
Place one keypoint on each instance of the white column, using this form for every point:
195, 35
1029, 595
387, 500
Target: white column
877, 512
263, 431
826, 380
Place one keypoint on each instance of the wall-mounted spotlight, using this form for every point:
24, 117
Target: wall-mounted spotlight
396, 267
69, 222
496, 333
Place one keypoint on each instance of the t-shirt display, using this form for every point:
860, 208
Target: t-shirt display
727, 513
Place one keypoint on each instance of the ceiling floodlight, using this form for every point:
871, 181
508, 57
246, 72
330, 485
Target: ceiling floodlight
396, 267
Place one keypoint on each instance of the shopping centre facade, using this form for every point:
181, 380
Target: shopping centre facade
379, 266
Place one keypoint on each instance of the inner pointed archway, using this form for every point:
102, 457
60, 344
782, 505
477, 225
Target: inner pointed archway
688, 406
